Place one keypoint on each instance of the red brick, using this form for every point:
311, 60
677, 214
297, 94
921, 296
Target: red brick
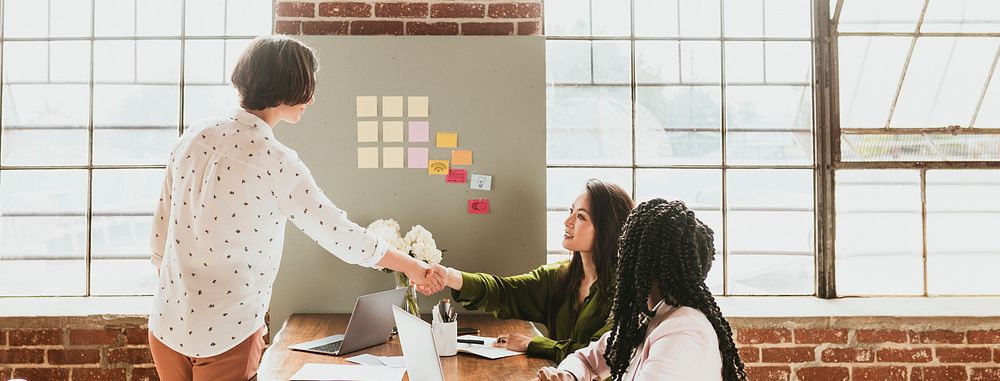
6, 373
823, 374
22, 356
787, 355
867, 336
403, 10
458, 11
820, 336
312, 28
940, 336
749, 354
287, 27
879, 373
984, 337
136, 336
4, 338
964, 354
35, 337
368, 28
938, 373
768, 373
904, 355
98, 374
290, 9
848, 355
434, 28
74, 356
345, 9
529, 28
763, 336
144, 374
516, 10
985, 374
130, 356
106, 336
996, 355
47, 374
487, 28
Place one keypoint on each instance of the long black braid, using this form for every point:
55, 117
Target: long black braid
664, 242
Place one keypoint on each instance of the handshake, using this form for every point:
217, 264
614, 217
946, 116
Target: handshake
434, 278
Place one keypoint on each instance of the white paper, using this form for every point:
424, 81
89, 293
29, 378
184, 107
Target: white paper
393, 361
366, 359
481, 182
486, 350
323, 372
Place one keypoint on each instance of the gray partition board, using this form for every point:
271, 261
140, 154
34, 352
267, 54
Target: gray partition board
489, 90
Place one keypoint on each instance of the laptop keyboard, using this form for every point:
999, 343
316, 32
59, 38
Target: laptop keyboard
331, 347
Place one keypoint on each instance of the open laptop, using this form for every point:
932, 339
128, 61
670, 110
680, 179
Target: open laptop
419, 351
370, 325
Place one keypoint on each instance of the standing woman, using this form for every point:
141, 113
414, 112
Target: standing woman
571, 298
218, 230
666, 324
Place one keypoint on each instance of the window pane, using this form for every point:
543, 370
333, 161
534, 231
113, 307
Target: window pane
204, 62
122, 277
120, 232
71, 18
567, 18
944, 81
234, 49
658, 62
962, 16
563, 185
114, 17
44, 146
114, 61
610, 18
768, 62
677, 18
43, 217
989, 114
700, 189
963, 211
873, 260
881, 147
158, 17
248, 17
784, 110
744, 18
570, 62
589, 125
678, 124
787, 18
45, 105
158, 61
25, 61
869, 74
144, 187
202, 102
143, 121
25, 18
880, 16
201, 18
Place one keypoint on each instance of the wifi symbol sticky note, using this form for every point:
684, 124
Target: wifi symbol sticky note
437, 167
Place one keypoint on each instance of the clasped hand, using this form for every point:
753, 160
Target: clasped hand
431, 281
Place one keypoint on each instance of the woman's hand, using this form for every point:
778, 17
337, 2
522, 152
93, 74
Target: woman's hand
553, 374
515, 342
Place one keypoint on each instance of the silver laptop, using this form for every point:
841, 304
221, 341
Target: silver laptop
370, 325
419, 351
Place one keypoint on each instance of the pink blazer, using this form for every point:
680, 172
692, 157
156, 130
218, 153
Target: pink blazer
680, 345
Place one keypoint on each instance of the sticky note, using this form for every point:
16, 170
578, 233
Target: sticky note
418, 131
461, 157
416, 157
392, 131
392, 107
367, 106
367, 131
479, 206
416, 106
437, 167
368, 157
481, 182
455, 176
447, 139
392, 157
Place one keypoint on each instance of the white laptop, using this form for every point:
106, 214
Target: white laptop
419, 351
370, 325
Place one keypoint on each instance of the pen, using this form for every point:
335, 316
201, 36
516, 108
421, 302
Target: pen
470, 341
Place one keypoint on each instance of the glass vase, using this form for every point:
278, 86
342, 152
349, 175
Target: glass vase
410, 300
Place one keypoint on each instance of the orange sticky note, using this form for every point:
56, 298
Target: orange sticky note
437, 167
461, 157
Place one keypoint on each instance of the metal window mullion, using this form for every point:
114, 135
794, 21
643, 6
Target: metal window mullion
723, 125
180, 83
906, 66
923, 224
633, 94
90, 158
824, 95
986, 87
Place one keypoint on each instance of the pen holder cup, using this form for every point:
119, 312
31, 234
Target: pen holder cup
446, 338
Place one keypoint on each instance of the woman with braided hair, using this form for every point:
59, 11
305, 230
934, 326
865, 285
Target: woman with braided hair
665, 322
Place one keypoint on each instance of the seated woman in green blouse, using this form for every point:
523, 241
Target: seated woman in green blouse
572, 298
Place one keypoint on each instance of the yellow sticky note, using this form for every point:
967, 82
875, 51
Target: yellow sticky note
461, 157
437, 167
367, 157
392, 131
367, 131
417, 106
447, 139
392, 107
367, 106
392, 157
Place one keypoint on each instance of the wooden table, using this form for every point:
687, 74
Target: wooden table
280, 363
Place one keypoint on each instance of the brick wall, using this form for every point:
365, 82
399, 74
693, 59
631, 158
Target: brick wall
432, 17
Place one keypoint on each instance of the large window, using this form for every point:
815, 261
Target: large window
94, 93
710, 102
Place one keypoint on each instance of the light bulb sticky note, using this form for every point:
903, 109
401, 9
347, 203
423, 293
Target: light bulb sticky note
481, 182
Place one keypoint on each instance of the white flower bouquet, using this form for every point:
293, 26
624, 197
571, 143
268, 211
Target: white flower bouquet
418, 243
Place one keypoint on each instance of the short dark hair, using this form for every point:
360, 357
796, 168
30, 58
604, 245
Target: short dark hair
275, 70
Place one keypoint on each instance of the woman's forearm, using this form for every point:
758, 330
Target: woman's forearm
453, 279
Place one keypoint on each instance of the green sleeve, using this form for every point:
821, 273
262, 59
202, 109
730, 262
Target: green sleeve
557, 350
524, 296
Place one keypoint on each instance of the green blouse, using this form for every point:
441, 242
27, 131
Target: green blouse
529, 297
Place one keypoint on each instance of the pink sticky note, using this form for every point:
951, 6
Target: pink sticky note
416, 157
479, 206
418, 131
455, 176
